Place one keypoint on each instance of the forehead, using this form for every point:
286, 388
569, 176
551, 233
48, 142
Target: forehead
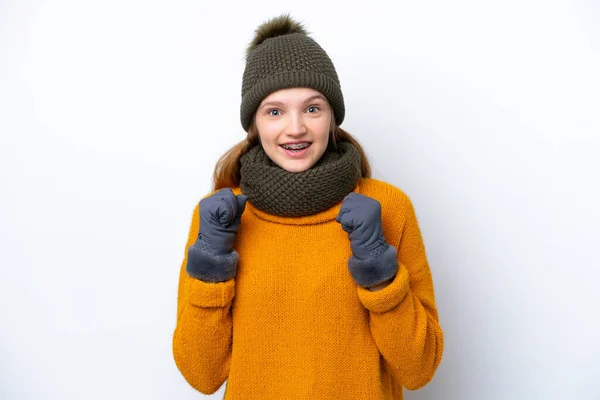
292, 95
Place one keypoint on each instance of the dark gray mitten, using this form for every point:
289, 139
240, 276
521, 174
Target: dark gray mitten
373, 260
212, 258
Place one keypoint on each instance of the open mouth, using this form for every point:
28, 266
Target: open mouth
296, 147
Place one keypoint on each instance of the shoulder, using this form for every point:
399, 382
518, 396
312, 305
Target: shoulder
397, 211
386, 193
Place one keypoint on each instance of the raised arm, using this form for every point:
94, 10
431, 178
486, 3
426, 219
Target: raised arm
203, 333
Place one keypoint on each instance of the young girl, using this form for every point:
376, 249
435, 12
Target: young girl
303, 278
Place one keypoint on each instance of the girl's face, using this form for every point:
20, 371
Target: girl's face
293, 126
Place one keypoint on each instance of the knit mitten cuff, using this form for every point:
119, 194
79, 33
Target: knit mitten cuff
209, 267
373, 271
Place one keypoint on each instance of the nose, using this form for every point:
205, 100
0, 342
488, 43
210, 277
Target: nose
296, 125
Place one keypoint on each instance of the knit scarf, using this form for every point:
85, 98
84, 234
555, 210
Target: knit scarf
276, 191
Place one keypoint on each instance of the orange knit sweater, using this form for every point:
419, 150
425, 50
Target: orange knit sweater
293, 324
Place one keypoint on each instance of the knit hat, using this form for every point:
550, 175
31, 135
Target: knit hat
282, 56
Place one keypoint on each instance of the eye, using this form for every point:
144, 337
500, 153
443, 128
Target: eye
273, 112
313, 109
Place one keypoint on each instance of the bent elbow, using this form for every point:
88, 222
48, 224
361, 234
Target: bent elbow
203, 379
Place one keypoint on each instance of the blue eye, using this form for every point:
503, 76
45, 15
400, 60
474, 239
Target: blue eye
315, 108
274, 112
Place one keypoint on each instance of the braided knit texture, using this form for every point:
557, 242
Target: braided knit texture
287, 61
272, 189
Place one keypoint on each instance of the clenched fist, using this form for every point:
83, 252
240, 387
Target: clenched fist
212, 258
373, 260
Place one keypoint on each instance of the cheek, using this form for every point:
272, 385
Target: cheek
266, 134
321, 130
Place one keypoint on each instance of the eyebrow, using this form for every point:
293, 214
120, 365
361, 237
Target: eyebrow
279, 103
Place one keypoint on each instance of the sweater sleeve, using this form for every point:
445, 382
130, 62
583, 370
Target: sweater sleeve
203, 332
403, 316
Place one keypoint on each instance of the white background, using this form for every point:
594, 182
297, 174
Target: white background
113, 114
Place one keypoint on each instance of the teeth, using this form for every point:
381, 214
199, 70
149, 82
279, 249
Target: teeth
296, 146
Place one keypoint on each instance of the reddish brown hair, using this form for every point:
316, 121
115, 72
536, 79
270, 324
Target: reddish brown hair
227, 170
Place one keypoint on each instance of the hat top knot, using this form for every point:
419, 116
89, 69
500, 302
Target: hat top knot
278, 26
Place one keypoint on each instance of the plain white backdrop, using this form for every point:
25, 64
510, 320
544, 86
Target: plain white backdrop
113, 114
